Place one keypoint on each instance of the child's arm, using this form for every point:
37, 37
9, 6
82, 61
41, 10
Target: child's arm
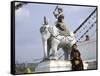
55, 12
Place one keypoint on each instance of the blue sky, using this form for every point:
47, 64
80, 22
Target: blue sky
28, 21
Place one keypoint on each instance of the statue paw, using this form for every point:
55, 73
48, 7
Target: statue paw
53, 58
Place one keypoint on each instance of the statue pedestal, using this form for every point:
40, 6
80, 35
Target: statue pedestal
52, 65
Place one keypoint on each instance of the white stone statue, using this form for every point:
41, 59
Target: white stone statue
52, 41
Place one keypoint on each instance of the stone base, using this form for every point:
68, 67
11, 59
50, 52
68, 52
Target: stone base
52, 65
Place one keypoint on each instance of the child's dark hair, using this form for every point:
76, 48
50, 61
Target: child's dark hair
74, 45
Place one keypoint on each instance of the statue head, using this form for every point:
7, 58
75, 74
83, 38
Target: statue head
60, 10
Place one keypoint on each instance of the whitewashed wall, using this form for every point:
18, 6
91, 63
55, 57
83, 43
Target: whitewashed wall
88, 49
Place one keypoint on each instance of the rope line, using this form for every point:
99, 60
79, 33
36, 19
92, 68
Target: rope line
87, 30
85, 21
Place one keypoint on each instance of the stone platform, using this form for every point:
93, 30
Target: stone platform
52, 65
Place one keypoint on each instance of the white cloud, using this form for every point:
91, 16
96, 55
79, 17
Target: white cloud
22, 13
